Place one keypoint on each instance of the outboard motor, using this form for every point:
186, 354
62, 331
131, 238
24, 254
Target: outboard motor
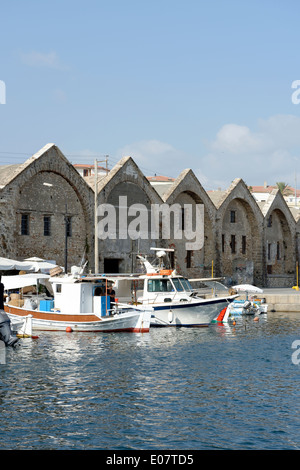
5, 330
247, 305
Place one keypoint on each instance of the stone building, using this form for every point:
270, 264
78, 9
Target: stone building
45, 205
48, 210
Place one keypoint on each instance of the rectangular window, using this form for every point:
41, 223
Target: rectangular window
232, 217
68, 221
24, 224
232, 243
172, 259
47, 225
223, 242
244, 244
188, 259
269, 250
270, 221
269, 269
278, 251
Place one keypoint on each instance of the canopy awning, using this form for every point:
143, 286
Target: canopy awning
7, 264
24, 280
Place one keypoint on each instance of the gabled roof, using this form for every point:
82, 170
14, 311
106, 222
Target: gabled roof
225, 194
187, 182
160, 179
9, 172
126, 170
239, 190
277, 201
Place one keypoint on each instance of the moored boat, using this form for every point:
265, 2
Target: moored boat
252, 305
174, 301
78, 304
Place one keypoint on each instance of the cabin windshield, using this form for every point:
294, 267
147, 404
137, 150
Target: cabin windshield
169, 285
160, 285
186, 284
177, 284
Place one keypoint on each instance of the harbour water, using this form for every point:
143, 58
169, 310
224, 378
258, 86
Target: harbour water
222, 387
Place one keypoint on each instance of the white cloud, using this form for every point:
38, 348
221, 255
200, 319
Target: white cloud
238, 140
269, 153
40, 59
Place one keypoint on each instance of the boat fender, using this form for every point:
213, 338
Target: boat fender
170, 316
5, 330
221, 314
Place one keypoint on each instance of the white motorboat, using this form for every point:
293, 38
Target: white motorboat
78, 304
174, 301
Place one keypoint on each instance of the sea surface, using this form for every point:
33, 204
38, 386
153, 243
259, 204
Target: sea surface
221, 387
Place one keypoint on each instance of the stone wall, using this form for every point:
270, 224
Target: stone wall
46, 185
240, 243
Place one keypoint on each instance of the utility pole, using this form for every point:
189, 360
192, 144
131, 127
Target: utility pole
96, 220
66, 240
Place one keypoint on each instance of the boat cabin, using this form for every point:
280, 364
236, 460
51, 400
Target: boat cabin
152, 288
76, 296
166, 289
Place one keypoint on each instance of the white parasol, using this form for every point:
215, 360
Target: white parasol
41, 264
248, 288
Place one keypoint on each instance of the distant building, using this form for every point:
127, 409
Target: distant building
89, 170
290, 194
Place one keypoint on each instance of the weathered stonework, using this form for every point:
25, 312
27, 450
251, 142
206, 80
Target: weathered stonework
46, 185
243, 241
279, 242
186, 189
125, 180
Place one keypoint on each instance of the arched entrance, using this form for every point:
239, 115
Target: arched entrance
240, 244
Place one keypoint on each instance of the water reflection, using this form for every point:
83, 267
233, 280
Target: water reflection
226, 386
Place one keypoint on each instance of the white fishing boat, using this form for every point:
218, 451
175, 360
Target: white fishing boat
174, 301
79, 303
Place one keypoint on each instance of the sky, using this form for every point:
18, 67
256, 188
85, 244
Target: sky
206, 85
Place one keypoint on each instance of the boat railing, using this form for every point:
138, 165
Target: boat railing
162, 297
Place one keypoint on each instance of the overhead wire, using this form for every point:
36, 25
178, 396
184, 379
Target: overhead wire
16, 156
